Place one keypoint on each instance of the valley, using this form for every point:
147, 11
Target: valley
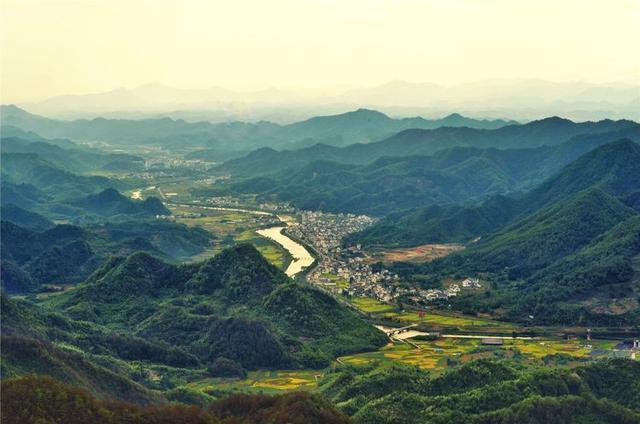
191, 281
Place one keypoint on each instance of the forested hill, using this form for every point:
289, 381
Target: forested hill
357, 126
64, 254
237, 304
489, 392
549, 131
554, 253
613, 167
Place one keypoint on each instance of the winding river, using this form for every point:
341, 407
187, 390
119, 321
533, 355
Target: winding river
300, 256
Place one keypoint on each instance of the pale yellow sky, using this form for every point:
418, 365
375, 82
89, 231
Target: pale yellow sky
52, 47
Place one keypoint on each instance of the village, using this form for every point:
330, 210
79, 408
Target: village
349, 271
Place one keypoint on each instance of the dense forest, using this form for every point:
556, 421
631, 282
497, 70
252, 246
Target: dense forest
489, 392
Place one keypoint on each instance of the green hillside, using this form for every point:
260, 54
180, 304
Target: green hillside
223, 307
534, 242
488, 392
545, 132
612, 167
66, 254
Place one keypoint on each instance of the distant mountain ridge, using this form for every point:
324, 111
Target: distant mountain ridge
357, 126
458, 175
550, 131
524, 99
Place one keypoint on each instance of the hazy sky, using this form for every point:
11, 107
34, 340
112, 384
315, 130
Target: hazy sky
52, 47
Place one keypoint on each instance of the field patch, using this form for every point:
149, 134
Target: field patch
261, 382
422, 253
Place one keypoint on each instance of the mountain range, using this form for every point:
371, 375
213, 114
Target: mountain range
525, 99
361, 125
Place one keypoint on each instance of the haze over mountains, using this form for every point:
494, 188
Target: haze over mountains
517, 99
319, 212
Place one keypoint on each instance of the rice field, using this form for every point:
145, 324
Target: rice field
437, 354
230, 228
383, 310
262, 382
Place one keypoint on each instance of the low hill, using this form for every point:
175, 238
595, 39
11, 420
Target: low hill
24, 218
110, 202
66, 254
53, 401
223, 307
488, 392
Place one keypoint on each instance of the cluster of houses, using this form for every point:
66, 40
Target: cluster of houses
325, 231
277, 207
224, 201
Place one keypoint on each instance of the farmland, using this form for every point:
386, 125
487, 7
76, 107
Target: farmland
268, 381
231, 227
381, 310
443, 352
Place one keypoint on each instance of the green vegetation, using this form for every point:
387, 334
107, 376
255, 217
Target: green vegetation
66, 254
487, 391
109, 315
110, 203
578, 242
52, 401
236, 305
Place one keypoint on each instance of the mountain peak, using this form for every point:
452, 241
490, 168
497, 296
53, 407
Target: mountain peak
367, 113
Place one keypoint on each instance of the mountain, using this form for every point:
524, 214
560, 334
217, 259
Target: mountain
110, 202
32, 169
24, 218
74, 159
231, 137
365, 126
525, 99
461, 175
599, 276
549, 131
64, 254
538, 240
236, 305
26, 177
611, 167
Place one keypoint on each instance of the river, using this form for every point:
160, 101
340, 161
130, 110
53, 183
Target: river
300, 256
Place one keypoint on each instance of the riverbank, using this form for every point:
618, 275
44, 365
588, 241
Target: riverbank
301, 258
